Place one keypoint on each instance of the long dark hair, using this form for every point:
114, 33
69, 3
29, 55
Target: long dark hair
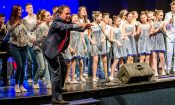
14, 14
85, 19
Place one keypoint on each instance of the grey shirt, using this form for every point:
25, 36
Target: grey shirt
18, 34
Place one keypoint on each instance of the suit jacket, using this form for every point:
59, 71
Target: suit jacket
56, 35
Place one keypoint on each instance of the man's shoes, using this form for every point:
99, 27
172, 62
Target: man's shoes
59, 101
64, 90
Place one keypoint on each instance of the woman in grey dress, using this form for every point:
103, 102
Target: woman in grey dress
78, 48
159, 43
83, 18
118, 49
95, 36
77, 43
129, 31
144, 31
106, 45
151, 20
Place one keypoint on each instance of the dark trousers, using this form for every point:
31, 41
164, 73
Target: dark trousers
58, 69
19, 55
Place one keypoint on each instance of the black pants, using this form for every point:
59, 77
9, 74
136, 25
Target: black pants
19, 54
58, 69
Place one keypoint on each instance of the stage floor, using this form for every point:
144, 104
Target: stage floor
82, 90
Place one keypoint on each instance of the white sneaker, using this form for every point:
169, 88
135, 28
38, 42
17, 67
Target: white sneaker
95, 80
17, 90
67, 82
111, 78
23, 89
75, 82
116, 70
85, 74
83, 80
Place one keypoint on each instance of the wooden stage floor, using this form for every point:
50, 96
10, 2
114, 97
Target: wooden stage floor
80, 91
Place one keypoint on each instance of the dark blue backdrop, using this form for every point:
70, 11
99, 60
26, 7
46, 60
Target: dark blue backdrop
111, 6
6, 5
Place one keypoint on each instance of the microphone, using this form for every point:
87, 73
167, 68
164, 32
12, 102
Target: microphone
173, 20
93, 14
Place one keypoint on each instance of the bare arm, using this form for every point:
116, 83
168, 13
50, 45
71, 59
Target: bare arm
103, 34
138, 30
89, 36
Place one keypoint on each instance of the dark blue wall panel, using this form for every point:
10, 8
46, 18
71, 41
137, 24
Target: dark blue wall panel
6, 5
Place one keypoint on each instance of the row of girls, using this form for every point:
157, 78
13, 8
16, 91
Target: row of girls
26, 38
126, 37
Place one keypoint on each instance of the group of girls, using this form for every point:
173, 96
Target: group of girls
126, 38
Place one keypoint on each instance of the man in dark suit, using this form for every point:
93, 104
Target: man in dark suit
56, 42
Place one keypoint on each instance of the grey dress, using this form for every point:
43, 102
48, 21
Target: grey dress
67, 55
130, 44
119, 52
76, 42
144, 40
158, 42
96, 36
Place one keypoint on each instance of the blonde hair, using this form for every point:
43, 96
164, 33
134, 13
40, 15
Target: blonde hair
172, 3
105, 14
150, 12
121, 14
143, 13
96, 14
158, 11
73, 16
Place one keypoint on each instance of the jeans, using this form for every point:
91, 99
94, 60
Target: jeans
100, 68
88, 60
31, 59
19, 55
10, 67
42, 67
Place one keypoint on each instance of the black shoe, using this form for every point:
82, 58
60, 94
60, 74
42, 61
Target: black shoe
64, 90
60, 102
